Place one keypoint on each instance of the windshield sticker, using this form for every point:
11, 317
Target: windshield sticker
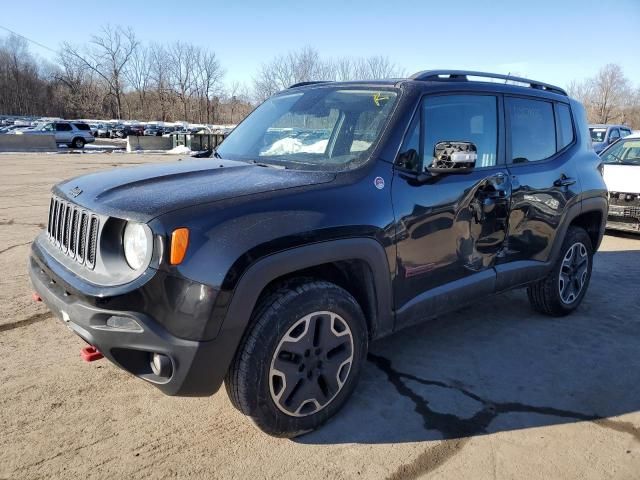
380, 99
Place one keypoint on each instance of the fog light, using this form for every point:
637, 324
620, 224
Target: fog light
161, 365
124, 323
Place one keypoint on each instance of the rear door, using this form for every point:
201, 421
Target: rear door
541, 142
63, 132
451, 227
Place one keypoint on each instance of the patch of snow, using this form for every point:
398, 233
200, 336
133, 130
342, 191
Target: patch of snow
180, 150
287, 146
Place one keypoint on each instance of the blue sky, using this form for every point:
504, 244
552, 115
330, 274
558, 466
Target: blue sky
552, 41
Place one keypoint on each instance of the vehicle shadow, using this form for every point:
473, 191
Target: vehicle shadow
499, 366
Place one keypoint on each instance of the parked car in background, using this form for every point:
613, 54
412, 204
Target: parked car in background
11, 128
603, 135
622, 176
153, 131
103, 131
72, 134
94, 129
123, 131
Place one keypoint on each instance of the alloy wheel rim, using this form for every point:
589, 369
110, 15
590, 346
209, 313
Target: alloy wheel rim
311, 364
573, 273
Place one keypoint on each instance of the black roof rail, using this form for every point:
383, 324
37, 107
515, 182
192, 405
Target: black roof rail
463, 76
302, 84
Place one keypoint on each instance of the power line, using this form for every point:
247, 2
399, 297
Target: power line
28, 39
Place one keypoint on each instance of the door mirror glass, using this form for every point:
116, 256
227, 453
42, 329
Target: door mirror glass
453, 157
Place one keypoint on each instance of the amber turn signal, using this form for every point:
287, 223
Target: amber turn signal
179, 244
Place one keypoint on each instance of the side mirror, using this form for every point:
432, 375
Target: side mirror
453, 157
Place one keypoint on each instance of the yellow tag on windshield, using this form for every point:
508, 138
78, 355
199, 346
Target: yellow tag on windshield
380, 99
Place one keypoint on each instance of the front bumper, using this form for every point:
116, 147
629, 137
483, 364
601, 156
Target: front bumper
624, 218
195, 370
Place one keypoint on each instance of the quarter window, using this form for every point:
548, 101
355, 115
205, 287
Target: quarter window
533, 130
565, 125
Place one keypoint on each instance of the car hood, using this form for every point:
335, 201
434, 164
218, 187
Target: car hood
622, 178
142, 193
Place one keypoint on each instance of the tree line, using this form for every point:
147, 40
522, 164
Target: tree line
115, 75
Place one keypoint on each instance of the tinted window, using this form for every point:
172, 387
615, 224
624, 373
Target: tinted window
82, 126
565, 125
533, 129
624, 132
463, 118
63, 127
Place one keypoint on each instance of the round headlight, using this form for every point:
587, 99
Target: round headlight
135, 245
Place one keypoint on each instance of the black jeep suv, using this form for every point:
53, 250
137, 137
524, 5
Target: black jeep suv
335, 214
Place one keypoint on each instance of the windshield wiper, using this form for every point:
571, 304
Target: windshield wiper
262, 164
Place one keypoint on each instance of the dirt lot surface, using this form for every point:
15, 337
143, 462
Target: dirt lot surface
493, 391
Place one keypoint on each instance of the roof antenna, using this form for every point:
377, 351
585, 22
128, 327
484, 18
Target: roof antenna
507, 79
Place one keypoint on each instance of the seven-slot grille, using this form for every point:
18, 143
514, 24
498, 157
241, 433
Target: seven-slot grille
74, 231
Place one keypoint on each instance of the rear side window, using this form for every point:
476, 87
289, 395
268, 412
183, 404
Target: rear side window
82, 126
63, 127
565, 125
533, 129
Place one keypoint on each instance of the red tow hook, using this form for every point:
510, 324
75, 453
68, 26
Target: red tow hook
90, 354
36, 297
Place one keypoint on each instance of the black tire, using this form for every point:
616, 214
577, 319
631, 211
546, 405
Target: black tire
252, 380
548, 295
78, 142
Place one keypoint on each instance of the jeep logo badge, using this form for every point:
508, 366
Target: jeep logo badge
75, 191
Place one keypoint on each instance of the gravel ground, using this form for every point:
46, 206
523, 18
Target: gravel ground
492, 391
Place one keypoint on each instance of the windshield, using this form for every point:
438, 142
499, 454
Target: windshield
321, 128
598, 134
625, 152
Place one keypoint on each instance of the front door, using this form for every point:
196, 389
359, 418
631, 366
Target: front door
451, 226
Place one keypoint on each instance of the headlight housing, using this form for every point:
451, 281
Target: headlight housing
135, 244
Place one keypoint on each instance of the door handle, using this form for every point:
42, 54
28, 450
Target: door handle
564, 181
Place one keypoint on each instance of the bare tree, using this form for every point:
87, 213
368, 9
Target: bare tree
183, 59
209, 76
138, 76
108, 55
605, 96
306, 65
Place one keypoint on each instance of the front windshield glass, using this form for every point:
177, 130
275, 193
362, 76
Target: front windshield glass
598, 134
625, 152
320, 128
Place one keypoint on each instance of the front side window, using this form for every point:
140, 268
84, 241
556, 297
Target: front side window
452, 118
625, 152
319, 128
533, 129
614, 134
462, 118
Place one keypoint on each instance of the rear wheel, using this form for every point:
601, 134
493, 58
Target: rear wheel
563, 289
301, 359
78, 142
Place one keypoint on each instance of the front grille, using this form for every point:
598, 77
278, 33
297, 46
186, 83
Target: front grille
74, 231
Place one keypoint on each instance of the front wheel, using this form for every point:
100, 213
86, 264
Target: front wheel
301, 360
563, 289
